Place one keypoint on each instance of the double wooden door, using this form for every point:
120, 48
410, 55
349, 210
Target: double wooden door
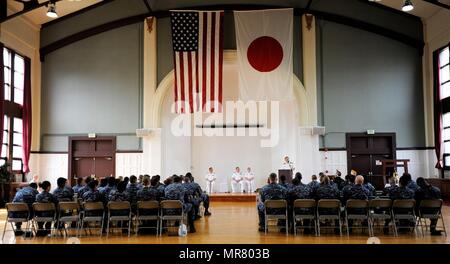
365, 153
91, 157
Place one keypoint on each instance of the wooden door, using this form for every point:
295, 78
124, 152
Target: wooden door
365, 152
91, 157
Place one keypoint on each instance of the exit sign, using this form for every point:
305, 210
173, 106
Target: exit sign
370, 132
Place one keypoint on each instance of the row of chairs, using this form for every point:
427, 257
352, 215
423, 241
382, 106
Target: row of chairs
371, 212
73, 215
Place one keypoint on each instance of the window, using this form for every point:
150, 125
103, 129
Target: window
444, 92
14, 71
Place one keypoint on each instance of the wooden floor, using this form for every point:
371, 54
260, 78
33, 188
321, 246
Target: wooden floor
232, 223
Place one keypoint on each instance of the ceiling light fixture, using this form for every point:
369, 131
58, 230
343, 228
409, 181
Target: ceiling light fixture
52, 10
407, 6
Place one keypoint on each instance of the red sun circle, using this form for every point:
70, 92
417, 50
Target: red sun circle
265, 54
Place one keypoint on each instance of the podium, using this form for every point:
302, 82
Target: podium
286, 172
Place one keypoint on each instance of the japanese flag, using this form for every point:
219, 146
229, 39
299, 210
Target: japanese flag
264, 51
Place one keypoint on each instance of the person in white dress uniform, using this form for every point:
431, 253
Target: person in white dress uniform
287, 164
237, 181
210, 180
249, 181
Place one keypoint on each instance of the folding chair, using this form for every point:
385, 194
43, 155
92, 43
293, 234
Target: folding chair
119, 212
16, 213
93, 212
304, 209
147, 211
431, 210
44, 213
272, 211
357, 210
403, 210
329, 209
171, 210
380, 210
68, 213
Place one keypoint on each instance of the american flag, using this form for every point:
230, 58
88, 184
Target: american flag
197, 39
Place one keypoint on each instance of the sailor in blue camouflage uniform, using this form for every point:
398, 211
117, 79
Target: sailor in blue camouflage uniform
283, 182
85, 188
120, 195
25, 195
63, 193
271, 191
428, 192
112, 183
192, 196
167, 182
45, 197
92, 194
149, 192
299, 191
203, 196
402, 193
176, 191
367, 185
356, 192
103, 184
314, 184
411, 184
328, 191
78, 186
132, 189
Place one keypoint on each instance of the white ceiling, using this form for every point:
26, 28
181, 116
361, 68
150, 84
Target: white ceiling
38, 16
64, 7
421, 8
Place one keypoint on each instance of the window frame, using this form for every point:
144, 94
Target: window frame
12, 110
440, 85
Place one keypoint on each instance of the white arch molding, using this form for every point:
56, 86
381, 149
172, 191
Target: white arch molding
153, 145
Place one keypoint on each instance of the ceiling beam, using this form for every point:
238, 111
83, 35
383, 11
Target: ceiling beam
437, 3
26, 9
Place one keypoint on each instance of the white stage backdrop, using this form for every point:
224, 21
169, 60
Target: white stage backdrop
197, 153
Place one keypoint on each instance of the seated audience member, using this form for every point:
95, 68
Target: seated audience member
284, 183
140, 181
199, 193
402, 193
103, 183
367, 185
356, 192
126, 180
191, 194
78, 186
314, 184
92, 194
271, 191
63, 193
339, 181
326, 190
427, 191
112, 183
45, 197
390, 187
350, 181
25, 195
149, 193
132, 189
176, 191
298, 191
85, 188
119, 194
299, 177
411, 184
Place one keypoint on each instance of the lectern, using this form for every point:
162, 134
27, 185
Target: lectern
287, 173
395, 163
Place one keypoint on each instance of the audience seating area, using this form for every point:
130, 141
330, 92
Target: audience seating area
83, 217
309, 213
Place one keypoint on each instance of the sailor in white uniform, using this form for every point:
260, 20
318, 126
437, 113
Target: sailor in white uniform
287, 164
237, 181
249, 181
210, 180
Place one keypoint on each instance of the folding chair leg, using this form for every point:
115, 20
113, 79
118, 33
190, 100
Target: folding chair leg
265, 225
129, 227
346, 224
107, 228
4, 229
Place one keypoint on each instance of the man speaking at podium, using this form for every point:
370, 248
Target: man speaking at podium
287, 169
287, 164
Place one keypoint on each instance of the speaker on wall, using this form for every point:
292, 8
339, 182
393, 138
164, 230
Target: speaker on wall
318, 130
